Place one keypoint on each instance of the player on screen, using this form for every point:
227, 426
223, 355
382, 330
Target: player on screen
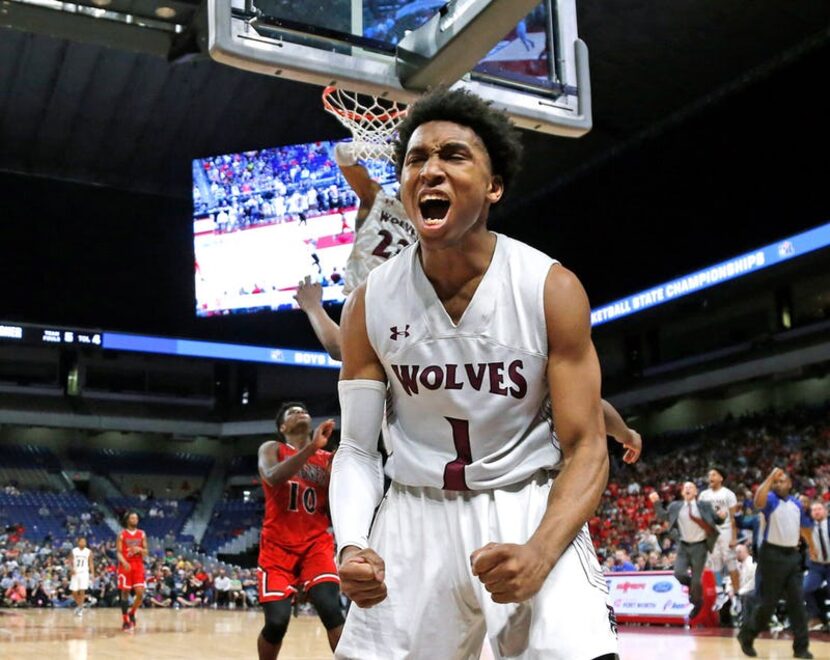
296, 547
131, 549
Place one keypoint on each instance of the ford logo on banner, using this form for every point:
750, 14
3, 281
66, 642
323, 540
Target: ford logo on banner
662, 587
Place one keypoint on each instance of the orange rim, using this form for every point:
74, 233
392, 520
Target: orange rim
357, 116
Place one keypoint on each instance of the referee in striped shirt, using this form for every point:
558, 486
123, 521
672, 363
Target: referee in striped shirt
779, 563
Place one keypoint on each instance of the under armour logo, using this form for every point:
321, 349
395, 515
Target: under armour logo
399, 333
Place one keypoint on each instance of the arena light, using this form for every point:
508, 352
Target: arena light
216, 350
744, 264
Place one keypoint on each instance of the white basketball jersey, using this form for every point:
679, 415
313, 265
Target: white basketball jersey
384, 233
724, 499
80, 560
469, 402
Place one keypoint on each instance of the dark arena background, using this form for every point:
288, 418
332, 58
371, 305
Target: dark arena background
695, 212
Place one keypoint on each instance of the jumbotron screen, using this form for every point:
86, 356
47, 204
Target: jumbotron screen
263, 220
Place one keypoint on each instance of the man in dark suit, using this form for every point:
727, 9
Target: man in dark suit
696, 524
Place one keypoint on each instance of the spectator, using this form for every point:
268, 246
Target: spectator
16, 594
622, 562
222, 585
237, 595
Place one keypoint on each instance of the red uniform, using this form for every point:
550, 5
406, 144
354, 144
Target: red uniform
131, 547
296, 546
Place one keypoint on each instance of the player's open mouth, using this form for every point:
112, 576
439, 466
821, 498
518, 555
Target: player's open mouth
434, 209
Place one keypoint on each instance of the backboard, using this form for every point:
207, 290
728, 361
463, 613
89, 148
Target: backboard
521, 55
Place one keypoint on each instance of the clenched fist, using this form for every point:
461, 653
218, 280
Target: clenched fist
362, 574
511, 573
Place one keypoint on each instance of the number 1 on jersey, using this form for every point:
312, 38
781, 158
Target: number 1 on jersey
454, 470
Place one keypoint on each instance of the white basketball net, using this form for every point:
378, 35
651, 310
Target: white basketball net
372, 121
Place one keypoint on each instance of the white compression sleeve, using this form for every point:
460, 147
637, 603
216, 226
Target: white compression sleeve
356, 486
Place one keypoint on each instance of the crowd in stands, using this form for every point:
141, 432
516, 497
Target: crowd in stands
44, 515
270, 185
160, 518
34, 570
38, 575
625, 530
274, 185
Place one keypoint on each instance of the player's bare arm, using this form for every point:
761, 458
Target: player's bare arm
145, 548
275, 472
363, 185
616, 427
119, 552
355, 491
91, 565
309, 297
514, 573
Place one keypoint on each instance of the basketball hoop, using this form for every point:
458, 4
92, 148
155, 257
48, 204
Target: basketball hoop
372, 121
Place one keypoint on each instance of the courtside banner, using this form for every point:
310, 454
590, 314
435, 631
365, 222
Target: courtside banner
648, 596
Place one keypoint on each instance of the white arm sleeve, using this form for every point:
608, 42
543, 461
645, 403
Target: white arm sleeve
356, 486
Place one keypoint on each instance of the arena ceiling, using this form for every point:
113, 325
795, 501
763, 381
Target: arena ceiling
113, 105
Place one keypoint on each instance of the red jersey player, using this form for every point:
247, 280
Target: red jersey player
131, 548
296, 547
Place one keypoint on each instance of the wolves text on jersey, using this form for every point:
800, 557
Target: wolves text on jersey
385, 216
491, 376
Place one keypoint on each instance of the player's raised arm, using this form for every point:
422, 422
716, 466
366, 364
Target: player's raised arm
357, 475
275, 472
574, 381
309, 297
364, 186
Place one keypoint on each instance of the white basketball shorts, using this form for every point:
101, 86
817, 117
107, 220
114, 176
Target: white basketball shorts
79, 582
722, 556
437, 610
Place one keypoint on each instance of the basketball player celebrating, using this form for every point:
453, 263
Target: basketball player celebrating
722, 559
484, 341
296, 547
131, 549
82, 570
380, 217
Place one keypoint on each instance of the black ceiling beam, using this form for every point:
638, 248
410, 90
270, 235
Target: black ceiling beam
88, 29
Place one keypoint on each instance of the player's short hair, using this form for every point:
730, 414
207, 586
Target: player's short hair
126, 517
501, 139
280, 418
720, 470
